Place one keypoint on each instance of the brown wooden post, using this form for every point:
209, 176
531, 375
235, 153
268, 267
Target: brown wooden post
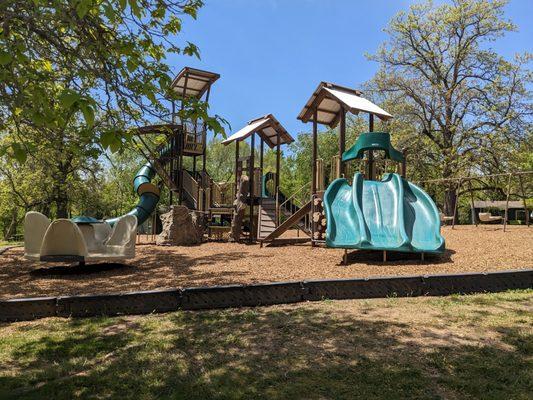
313, 172
236, 165
261, 156
278, 171
252, 187
204, 155
524, 198
278, 159
370, 152
342, 139
315, 153
170, 168
180, 170
507, 202
171, 160
204, 137
456, 202
474, 216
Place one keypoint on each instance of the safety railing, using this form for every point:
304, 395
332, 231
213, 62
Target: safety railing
222, 193
292, 204
191, 186
194, 136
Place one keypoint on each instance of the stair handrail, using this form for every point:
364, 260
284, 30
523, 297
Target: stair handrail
220, 193
308, 184
153, 158
191, 186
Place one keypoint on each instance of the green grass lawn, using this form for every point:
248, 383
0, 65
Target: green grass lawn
458, 347
4, 243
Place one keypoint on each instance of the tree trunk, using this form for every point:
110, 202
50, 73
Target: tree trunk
62, 205
12, 228
450, 198
239, 206
450, 189
60, 190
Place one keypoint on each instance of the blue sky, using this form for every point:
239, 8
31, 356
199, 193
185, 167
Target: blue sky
271, 54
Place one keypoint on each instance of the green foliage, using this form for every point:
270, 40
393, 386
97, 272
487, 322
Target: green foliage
221, 160
75, 77
78, 62
460, 106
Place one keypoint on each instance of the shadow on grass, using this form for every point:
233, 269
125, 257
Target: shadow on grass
288, 353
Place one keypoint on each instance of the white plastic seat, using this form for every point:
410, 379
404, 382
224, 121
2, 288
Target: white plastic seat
488, 217
35, 226
445, 218
102, 232
121, 243
63, 239
95, 236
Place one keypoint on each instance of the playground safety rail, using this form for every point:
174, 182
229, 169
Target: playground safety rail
216, 297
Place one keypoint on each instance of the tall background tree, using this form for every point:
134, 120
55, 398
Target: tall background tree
460, 107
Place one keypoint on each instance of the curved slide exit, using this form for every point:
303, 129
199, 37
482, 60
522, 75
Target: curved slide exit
391, 214
148, 195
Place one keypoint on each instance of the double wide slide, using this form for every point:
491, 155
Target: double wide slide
391, 214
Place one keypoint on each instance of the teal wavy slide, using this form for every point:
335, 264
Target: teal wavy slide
391, 214
148, 195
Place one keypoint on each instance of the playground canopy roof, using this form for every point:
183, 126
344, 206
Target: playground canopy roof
328, 99
497, 204
267, 128
192, 82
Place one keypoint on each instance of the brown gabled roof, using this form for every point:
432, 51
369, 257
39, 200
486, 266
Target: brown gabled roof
267, 127
329, 98
192, 82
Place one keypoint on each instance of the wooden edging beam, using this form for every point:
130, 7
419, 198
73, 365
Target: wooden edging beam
201, 298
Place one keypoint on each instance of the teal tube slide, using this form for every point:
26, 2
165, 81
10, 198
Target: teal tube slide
391, 214
148, 194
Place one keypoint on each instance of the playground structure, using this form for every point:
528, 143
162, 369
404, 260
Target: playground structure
377, 215
182, 138
390, 214
397, 214
266, 203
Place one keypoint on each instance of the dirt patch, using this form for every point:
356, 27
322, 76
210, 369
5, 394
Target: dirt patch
469, 249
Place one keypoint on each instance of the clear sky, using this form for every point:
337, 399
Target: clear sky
271, 54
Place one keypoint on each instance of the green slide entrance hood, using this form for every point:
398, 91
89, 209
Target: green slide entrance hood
372, 141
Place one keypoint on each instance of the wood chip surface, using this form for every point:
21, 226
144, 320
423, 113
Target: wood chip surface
469, 249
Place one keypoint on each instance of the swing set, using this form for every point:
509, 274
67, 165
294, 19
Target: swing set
468, 181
